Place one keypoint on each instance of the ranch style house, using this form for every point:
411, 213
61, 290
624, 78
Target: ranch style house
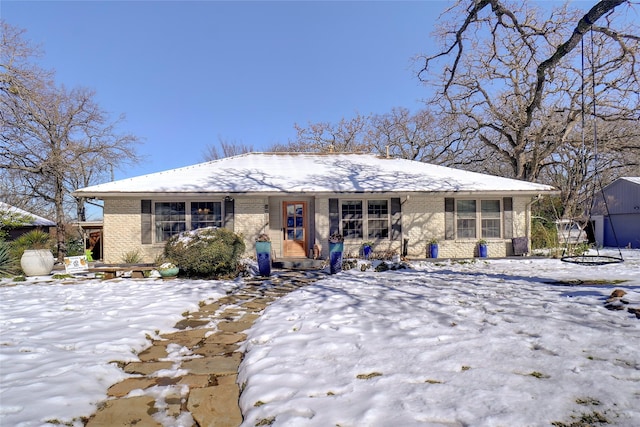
300, 199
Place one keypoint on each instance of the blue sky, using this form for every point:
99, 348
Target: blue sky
186, 74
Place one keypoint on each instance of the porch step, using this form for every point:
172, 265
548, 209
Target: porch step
298, 264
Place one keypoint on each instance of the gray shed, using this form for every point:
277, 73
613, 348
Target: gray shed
618, 222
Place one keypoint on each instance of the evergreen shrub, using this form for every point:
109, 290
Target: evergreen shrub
34, 239
8, 262
206, 252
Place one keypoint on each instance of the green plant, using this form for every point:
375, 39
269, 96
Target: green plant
131, 257
432, 241
209, 252
75, 247
8, 263
34, 239
370, 244
578, 248
544, 234
482, 242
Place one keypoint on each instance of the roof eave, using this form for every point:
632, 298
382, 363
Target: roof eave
174, 194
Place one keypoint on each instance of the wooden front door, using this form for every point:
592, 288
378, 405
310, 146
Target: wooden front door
295, 229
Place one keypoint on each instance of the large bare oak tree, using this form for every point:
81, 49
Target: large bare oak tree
53, 139
528, 83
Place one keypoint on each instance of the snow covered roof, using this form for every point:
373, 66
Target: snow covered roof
278, 173
38, 221
634, 179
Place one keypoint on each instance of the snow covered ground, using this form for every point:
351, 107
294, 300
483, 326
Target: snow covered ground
482, 344
487, 343
57, 339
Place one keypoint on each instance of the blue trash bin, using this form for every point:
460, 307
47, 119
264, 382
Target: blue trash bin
335, 257
366, 251
263, 252
482, 250
433, 250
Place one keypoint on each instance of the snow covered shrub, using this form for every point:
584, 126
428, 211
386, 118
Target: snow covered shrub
206, 252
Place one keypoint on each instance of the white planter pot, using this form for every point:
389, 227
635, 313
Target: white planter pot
37, 262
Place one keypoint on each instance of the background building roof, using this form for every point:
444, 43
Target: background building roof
38, 221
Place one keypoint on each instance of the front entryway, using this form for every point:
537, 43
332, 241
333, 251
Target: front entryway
295, 229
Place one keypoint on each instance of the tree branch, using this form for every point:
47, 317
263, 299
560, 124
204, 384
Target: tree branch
585, 23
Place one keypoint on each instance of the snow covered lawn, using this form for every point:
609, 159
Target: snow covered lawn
482, 344
56, 339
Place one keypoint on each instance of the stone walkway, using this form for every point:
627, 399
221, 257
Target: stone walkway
189, 377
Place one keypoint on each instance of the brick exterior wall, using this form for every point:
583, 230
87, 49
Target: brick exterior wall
322, 226
251, 220
122, 232
423, 218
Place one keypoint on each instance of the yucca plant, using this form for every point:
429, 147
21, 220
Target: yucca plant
8, 263
34, 239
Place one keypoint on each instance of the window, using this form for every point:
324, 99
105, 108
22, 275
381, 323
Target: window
377, 219
171, 217
352, 219
206, 214
466, 219
490, 217
357, 225
478, 219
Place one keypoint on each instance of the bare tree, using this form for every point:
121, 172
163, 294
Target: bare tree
53, 139
346, 136
423, 136
227, 148
512, 74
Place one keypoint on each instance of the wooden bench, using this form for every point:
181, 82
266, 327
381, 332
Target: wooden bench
111, 272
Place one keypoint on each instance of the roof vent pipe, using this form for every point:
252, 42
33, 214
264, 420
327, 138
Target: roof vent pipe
388, 152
